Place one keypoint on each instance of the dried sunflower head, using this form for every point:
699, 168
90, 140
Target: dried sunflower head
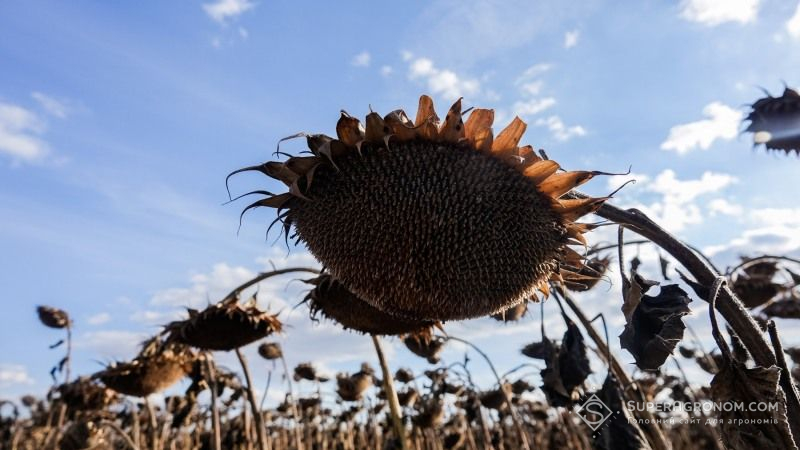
224, 326
152, 371
425, 345
775, 121
334, 301
430, 220
305, 371
53, 317
351, 388
270, 350
84, 394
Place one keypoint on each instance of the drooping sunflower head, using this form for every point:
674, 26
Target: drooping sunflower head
224, 326
334, 301
53, 317
775, 121
157, 367
428, 220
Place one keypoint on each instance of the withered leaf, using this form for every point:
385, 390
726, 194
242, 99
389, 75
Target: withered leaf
567, 366
618, 432
656, 327
749, 429
632, 292
536, 350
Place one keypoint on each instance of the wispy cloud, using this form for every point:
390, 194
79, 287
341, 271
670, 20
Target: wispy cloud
571, 38
560, 131
99, 318
715, 12
53, 106
533, 106
362, 59
21, 134
442, 82
224, 10
722, 123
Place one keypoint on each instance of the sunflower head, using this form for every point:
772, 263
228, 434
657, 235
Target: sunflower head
270, 350
333, 300
775, 121
425, 345
432, 220
224, 326
155, 368
53, 317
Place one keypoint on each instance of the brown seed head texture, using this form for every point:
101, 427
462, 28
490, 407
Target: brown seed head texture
334, 301
224, 326
432, 221
148, 373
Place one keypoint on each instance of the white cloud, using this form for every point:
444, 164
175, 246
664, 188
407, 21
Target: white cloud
223, 10
362, 59
722, 123
684, 191
12, 374
722, 206
151, 317
442, 81
205, 288
99, 318
20, 134
58, 108
675, 209
715, 12
771, 231
571, 38
533, 106
116, 344
560, 131
793, 24
386, 70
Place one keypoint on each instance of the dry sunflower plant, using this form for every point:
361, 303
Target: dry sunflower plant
424, 221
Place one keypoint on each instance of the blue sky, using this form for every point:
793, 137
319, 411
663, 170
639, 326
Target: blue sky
119, 122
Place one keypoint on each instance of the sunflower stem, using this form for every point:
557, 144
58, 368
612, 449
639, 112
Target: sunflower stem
792, 397
212, 385
258, 419
298, 438
507, 395
391, 395
152, 423
263, 276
